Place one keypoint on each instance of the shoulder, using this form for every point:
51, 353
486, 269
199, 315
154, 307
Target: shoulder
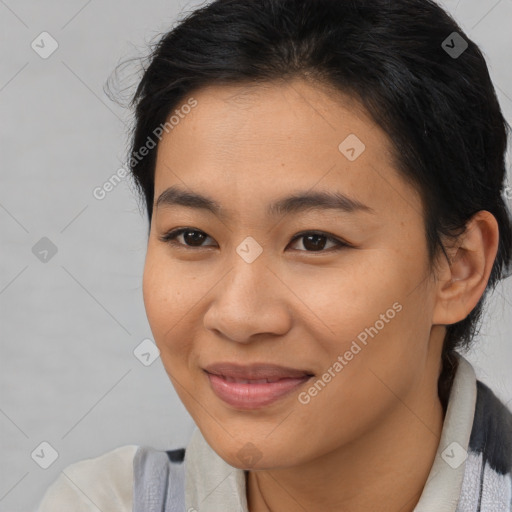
104, 483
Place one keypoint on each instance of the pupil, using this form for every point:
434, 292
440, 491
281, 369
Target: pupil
315, 244
199, 237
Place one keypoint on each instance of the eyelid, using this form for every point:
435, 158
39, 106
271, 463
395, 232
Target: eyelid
340, 244
171, 235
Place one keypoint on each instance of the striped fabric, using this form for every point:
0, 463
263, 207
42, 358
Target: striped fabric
159, 480
487, 484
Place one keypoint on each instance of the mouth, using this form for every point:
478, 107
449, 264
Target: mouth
255, 372
254, 386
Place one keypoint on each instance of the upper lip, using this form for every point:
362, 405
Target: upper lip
255, 371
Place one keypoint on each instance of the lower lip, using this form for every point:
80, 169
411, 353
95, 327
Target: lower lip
253, 396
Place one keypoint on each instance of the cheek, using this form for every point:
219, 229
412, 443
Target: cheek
156, 299
172, 298
344, 300
374, 315
164, 296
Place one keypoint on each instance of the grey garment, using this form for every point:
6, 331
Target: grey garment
159, 482
487, 485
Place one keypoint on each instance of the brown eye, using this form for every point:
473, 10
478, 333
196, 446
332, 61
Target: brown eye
316, 242
191, 237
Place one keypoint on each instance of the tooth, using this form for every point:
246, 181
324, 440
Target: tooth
246, 381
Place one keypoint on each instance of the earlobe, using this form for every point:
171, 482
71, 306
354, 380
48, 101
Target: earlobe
465, 277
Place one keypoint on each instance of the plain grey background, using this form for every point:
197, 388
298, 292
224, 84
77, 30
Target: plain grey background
70, 324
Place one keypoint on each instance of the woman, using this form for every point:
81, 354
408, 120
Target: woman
325, 188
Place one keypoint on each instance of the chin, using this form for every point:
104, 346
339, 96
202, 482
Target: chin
248, 455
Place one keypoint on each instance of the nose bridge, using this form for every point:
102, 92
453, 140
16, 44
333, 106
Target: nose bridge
246, 302
248, 272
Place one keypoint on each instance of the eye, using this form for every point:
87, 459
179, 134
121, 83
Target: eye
314, 241
191, 237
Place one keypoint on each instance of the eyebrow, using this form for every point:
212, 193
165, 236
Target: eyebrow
298, 202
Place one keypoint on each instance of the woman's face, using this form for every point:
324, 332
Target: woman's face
243, 286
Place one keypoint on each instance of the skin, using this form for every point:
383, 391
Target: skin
368, 439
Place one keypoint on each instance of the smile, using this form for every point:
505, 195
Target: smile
253, 393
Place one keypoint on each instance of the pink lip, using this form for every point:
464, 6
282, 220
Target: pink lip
253, 395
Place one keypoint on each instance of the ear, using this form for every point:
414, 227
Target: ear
463, 279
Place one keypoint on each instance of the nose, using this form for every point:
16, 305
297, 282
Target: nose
250, 302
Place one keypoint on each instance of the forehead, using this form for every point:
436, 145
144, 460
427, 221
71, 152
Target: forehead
259, 139
278, 112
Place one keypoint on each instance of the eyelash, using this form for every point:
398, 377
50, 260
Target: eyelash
170, 237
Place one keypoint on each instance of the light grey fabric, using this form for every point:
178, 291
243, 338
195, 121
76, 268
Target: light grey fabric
159, 484
484, 489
